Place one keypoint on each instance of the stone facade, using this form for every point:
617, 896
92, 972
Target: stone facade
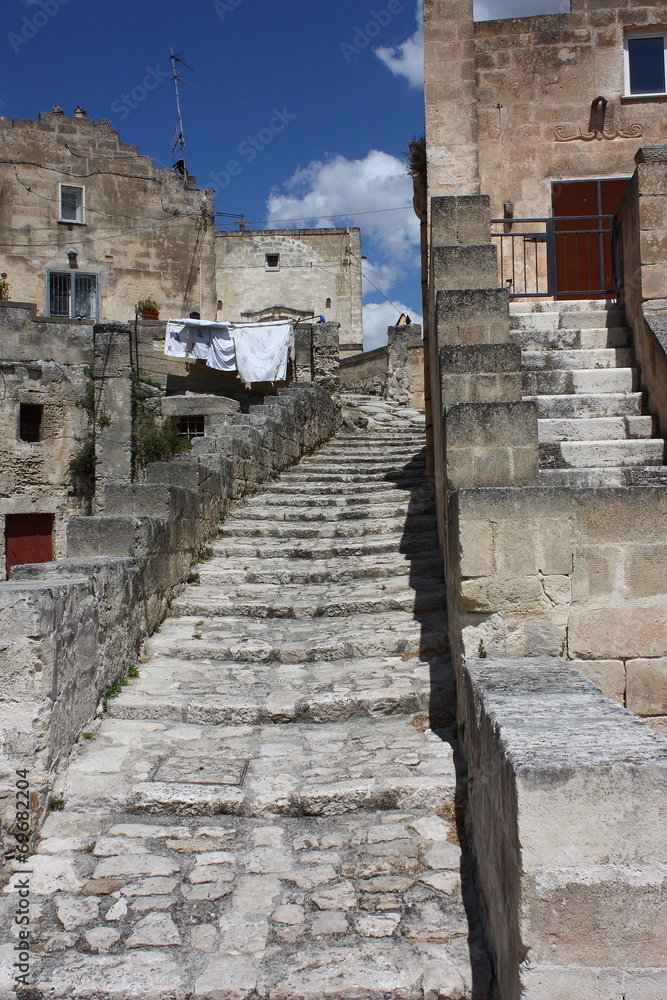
303, 272
140, 231
509, 103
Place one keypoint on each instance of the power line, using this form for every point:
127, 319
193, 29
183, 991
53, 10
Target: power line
344, 215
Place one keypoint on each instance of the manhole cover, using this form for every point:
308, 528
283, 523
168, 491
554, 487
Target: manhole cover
200, 770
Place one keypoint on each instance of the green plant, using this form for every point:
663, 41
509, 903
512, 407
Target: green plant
148, 304
114, 691
193, 578
481, 651
56, 803
133, 672
87, 402
206, 554
89, 736
152, 442
82, 464
197, 635
4, 288
104, 420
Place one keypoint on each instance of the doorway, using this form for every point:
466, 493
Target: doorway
28, 539
583, 214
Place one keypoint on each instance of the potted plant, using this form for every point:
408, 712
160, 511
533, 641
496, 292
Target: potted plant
148, 308
4, 287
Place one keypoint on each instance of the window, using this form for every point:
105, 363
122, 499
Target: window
646, 63
328, 305
192, 427
272, 261
72, 203
72, 295
30, 422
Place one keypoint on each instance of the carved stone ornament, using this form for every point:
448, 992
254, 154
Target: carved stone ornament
608, 131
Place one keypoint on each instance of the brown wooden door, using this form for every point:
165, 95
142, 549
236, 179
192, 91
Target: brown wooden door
28, 539
582, 235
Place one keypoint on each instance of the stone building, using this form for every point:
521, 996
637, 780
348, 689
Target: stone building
292, 273
545, 114
88, 226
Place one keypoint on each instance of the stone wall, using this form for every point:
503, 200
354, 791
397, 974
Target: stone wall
366, 373
72, 628
162, 256
643, 229
317, 266
509, 102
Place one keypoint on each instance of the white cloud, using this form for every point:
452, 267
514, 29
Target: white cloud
380, 315
377, 276
490, 10
341, 187
407, 59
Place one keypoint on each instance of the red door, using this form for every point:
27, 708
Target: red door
28, 539
581, 211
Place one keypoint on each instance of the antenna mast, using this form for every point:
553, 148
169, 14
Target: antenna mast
179, 140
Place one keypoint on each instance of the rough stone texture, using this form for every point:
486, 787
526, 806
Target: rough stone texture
112, 384
153, 262
473, 316
73, 627
480, 373
491, 444
365, 373
567, 802
405, 383
268, 811
316, 265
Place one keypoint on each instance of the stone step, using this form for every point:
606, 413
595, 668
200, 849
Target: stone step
370, 449
345, 500
314, 487
329, 513
599, 478
219, 693
246, 640
586, 382
396, 526
601, 454
592, 359
594, 429
318, 548
359, 463
587, 405
593, 338
273, 571
408, 479
567, 305
344, 600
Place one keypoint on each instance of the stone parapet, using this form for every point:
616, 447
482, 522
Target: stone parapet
568, 801
491, 444
480, 373
473, 316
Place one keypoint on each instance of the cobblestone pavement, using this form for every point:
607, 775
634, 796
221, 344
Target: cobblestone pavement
264, 813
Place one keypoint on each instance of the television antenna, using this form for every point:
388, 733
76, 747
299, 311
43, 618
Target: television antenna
179, 139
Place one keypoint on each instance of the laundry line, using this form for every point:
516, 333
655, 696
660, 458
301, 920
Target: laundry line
259, 352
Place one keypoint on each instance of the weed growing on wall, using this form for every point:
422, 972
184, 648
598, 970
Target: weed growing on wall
152, 441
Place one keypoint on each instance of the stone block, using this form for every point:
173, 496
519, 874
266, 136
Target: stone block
464, 220
608, 675
491, 444
647, 686
480, 373
473, 316
461, 267
491, 594
625, 631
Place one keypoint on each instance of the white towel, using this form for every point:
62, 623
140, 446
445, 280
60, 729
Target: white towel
222, 354
176, 339
262, 350
199, 342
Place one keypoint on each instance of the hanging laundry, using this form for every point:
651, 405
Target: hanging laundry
199, 340
262, 350
222, 353
176, 339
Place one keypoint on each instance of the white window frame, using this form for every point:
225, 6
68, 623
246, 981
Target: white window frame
73, 275
266, 261
75, 187
657, 33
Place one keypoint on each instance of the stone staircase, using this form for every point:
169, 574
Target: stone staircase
578, 366
266, 812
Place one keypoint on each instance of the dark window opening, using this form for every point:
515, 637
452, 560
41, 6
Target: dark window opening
28, 539
646, 64
192, 427
72, 295
30, 422
273, 262
328, 305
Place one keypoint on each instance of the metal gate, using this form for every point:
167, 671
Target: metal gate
567, 258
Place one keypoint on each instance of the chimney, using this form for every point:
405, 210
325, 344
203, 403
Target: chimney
57, 110
80, 112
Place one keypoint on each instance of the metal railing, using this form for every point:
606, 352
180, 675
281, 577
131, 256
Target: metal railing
568, 257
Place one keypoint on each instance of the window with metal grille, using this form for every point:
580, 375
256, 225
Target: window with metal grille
272, 261
646, 63
71, 203
192, 427
72, 295
30, 422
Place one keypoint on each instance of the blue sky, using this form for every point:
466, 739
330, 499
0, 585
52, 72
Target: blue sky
301, 109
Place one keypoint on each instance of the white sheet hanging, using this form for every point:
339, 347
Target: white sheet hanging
176, 339
262, 350
222, 353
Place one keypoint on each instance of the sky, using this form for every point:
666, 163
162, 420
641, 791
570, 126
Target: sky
312, 103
